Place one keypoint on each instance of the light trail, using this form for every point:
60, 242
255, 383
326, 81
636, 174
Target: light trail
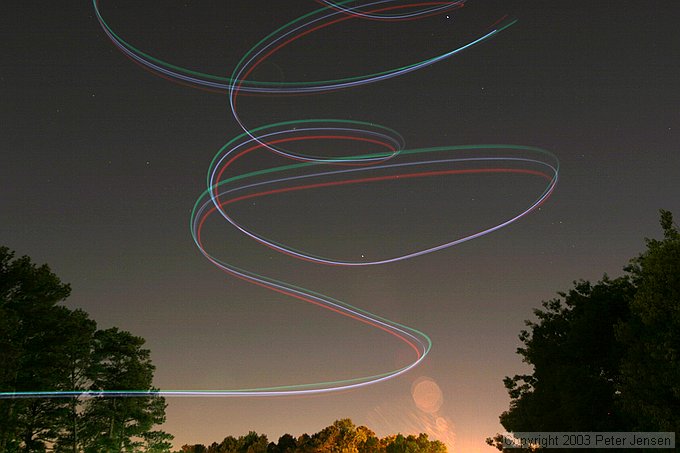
227, 187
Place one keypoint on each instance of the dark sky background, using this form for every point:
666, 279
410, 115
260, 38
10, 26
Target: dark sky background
101, 163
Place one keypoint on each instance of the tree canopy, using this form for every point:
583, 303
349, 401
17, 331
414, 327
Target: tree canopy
343, 436
44, 346
605, 356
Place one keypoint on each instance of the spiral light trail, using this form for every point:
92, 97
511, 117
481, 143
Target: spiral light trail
227, 187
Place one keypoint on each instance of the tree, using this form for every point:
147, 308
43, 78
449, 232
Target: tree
196, 448
368, 442
228, 445
45, 346
413, 444
28, 317
305, 444
341, 436
286, 444
426, 445
605, 356
252, 443
157, 442
120, 363
650, 370
76, 334
575, 358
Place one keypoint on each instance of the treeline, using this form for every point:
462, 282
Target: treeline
340, 437
45, 346
605, 355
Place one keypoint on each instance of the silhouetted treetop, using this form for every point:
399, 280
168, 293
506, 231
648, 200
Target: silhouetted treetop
45, 346
343, 436
605, 356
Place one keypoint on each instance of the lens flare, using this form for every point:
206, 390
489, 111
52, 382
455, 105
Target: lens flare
427, 395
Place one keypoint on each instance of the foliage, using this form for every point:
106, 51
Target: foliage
340, 437
605, 356
650, 371
120, 363
45, 346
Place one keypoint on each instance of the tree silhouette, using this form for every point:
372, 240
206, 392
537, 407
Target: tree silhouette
342, 436
605, 356
45, 346
29, 350
650, 372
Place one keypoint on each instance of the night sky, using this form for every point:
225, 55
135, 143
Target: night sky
102, 163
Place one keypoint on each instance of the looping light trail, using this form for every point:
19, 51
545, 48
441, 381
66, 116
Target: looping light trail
422, 9
281, 37
227, 186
